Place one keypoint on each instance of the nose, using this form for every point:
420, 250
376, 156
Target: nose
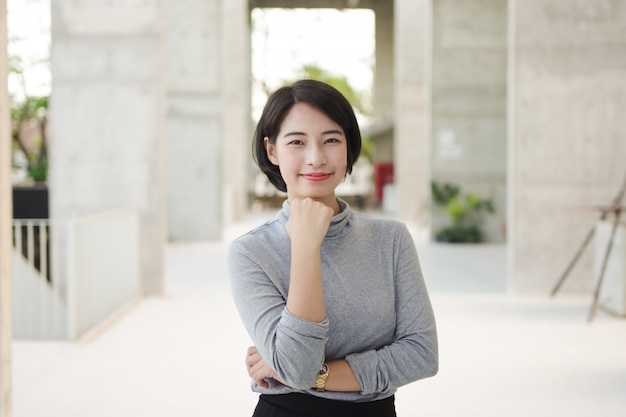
315, 156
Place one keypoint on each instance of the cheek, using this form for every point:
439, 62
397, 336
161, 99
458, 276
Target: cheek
287, 165
342, 160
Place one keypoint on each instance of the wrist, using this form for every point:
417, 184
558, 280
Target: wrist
304, 245
322, 376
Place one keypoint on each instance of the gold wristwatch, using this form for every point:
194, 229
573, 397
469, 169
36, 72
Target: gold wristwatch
322, 376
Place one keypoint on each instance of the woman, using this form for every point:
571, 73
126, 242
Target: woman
333, 300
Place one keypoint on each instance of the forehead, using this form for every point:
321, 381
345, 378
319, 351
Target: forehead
303, 116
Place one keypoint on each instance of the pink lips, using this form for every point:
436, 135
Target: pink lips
316, 176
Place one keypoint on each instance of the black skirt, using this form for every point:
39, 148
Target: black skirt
304, 405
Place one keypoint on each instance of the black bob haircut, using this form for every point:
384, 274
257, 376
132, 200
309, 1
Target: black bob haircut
320, 95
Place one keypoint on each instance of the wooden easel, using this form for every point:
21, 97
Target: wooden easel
615, 208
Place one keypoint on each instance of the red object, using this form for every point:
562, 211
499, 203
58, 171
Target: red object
383, 174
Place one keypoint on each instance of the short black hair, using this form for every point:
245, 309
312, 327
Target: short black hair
320, 95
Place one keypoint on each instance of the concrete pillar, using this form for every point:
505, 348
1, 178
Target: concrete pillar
235, 122
208, 116
567, 98
107, 120
469, 104
6, 210
383, 88
383, 72
412, 102
194, 139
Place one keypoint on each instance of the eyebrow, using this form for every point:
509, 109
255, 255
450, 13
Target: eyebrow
328, 132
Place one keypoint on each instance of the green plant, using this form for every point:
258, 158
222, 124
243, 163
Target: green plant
465, 212
29, 120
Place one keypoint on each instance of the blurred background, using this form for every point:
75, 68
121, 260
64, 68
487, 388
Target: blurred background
489, 125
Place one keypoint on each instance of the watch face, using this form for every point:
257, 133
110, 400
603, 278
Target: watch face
324, 369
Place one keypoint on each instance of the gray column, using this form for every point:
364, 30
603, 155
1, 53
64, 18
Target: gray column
567, 133
208, 116
235, 127
6, 245
383, 72
194, 137
107, 120
469, 104
411, 104
381, 128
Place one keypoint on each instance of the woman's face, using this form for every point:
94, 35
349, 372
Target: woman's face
312, 154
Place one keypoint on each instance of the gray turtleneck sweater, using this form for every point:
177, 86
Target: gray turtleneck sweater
378, 314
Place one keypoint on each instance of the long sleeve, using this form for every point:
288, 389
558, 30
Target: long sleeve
293, 347
379, 316
414, 353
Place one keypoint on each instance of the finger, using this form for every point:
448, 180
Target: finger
258, 376
252, 359
257, 368
263, 384
251, 354
257, 371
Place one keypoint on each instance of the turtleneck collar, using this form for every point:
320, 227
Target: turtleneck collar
340, 224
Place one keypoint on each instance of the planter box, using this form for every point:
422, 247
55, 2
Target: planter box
30, 202
612, 296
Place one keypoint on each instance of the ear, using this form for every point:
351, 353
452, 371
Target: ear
271, 151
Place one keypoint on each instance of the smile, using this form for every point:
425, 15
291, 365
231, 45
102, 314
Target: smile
316, 176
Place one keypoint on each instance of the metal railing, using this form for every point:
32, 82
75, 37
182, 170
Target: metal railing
39, 302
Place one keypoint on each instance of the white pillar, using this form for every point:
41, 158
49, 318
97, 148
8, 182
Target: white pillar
567, 134
107, 120
208, 116
412, 102
235, 130
194, 176
6, 210
383, 81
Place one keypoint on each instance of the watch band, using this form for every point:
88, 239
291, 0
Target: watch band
322, 376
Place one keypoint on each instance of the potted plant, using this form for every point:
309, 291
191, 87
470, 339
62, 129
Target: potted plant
29, 122
465, 213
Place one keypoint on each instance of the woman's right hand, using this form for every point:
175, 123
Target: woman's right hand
307, 226
258, 369
308, 222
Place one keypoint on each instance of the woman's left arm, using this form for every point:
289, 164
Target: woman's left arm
413, 355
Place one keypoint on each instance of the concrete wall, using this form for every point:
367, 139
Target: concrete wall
469, 103
383, 70
107, 120
208, 116
235, 93
112, 105
412, 61
382, 128
567, 133
193, 120
148, 93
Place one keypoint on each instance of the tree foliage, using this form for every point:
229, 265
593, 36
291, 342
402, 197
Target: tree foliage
29, 120
340, 82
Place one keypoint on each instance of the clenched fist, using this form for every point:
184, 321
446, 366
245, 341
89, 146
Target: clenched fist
308, 222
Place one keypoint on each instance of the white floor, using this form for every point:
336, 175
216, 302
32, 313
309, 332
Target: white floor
182, 354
